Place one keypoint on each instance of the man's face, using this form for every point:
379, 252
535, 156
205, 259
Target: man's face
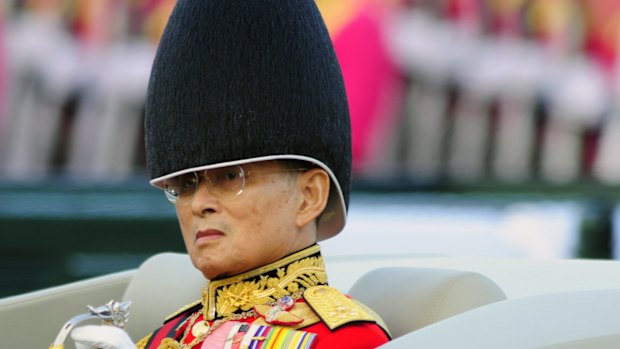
228, 235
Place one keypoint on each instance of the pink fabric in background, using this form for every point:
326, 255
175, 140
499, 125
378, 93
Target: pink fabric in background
371, 81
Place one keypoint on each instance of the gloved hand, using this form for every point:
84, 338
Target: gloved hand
104, 337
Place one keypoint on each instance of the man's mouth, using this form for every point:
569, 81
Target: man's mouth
208, 234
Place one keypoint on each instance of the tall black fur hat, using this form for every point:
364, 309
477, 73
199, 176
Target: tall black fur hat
238, 81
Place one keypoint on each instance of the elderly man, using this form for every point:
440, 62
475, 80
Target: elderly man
248, 135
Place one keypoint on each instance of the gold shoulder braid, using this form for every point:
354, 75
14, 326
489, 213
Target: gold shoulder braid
375, 316
334, 308
289, 276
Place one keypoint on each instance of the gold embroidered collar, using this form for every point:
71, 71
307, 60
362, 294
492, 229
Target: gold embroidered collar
289, 276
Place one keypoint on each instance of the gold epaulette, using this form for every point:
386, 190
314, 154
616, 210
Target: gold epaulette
377, 318
182, 310
334, 308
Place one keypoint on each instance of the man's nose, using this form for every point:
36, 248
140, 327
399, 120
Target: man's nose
203, 201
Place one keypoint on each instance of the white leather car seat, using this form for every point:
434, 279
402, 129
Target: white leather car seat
568, 320
408, 299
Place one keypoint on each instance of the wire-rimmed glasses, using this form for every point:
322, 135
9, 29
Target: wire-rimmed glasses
222, 182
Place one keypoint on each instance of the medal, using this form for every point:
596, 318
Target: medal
200, 328
278, 313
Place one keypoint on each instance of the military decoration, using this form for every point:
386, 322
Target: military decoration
278, 313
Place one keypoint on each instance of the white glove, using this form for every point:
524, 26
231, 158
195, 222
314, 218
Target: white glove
104, 337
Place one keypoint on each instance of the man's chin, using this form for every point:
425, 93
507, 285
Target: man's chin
205, 267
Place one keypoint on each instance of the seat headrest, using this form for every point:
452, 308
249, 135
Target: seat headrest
163, 283
411, 298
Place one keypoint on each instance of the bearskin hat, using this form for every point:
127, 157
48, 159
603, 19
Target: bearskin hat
238, 81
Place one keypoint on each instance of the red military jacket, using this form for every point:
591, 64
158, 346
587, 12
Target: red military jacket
286, 304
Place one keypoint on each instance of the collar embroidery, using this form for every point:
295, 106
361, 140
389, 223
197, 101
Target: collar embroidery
289, 276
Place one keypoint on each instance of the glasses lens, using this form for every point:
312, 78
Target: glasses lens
226, 180
180, 186
220, 182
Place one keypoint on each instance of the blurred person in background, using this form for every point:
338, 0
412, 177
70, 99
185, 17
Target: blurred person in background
248, 134
373, 82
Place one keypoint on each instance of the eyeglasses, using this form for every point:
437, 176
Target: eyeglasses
221, 182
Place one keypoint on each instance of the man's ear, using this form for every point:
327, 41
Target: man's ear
314, 186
